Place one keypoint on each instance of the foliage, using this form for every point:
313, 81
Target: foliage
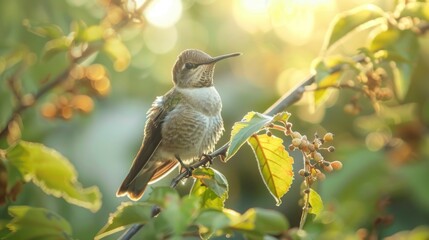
180, 215
383, 143
31, 223
49, 170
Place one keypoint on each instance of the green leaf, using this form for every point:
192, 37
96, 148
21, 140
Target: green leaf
241, 131
208, 198
402, 43
361, 17
162, 196
212, 221
51, 31
416, 10
316, 203
275, 164
55, 46
324, 78
415, 178
13, 174
37, 223
261, 221
90, 34
401, 78
119, 53
180, 216
420, 232
281, 117
53, 173
213, 179
211, 187
126, 214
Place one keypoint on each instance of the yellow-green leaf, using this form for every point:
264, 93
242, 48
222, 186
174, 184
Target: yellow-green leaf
403, 46
53, 173
401, 42
416, 10
325, 91
401, 78
275, 164
119, 53
241, 131
51, 31
326, 78
260, 221
37, 223
208, 198
281, 117
56, 46
126, 214
344, 23
211, 222
91, 34
213, 179
211, 187
316, 204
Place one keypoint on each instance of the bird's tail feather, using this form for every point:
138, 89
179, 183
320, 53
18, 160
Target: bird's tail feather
135, 187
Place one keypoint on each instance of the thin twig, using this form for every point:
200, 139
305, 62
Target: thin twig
306, 198
22, 104
341, 86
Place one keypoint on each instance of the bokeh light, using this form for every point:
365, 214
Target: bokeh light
252, 15
160, 40
163, 13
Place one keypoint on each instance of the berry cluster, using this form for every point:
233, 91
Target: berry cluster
312, 150
371, 83
77, 92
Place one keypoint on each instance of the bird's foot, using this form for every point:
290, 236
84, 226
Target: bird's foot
209, 158
186, 168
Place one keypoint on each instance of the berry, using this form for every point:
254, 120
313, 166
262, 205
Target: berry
317, 156
328, 168
328, 137
320, 176
337, 165
296, 142
296, 135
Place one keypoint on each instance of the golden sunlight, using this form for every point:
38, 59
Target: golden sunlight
160, 13
291, 20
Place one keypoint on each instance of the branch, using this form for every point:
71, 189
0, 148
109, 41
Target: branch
29, 100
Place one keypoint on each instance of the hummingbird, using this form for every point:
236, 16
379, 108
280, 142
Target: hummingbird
181, 125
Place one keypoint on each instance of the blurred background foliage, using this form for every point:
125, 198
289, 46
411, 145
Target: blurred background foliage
382, 186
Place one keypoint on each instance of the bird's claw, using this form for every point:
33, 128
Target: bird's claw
209, 158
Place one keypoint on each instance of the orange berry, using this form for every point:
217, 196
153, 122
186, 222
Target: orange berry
337, 165
328, 168
328, 137
320, 176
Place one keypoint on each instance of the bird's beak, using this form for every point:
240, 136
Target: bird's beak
221, 57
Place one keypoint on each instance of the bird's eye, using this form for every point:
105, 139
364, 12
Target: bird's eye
189, 65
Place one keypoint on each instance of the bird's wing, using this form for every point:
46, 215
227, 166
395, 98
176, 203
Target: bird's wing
152, 139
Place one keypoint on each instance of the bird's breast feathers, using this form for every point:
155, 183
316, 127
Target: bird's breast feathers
205, 99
